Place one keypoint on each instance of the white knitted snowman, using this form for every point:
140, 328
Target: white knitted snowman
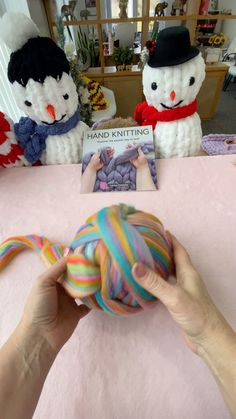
172, 78
39, 71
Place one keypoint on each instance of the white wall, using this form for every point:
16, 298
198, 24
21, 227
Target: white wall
38, 15
2, 8
229, 26
16, 6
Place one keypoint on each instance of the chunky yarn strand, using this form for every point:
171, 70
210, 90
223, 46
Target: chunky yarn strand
101, 256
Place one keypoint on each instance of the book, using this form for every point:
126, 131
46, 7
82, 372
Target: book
119, 159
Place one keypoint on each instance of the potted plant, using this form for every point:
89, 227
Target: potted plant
87, 49
123, 58
117, 57
127, 57
213, 53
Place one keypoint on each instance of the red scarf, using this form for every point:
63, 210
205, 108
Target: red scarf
148, 115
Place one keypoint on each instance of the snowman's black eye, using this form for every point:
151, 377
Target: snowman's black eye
27, 103
66, 96
154, 86
191, 81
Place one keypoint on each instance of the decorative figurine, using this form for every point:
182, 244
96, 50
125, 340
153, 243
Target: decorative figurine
172, 77
160, 7
51, 130
178, 5
84, 14
123, 9
67, 10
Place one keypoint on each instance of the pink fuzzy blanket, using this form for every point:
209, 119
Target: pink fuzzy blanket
136, 367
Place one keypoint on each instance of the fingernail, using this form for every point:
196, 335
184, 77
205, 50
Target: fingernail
140, 270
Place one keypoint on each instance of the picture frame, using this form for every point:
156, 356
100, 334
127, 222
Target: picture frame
90, 3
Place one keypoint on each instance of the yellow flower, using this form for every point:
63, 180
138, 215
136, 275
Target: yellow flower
217, 40
211, 40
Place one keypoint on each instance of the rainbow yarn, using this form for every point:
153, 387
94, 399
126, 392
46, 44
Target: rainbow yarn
100, 259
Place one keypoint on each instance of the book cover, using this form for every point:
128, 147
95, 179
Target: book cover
120, 159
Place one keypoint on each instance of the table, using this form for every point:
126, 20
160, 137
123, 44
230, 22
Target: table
136, 367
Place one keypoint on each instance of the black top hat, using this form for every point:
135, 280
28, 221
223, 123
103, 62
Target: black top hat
173, 47
38, 58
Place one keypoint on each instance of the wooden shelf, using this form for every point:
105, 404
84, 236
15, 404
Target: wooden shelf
111, 71
218, 17
146, 19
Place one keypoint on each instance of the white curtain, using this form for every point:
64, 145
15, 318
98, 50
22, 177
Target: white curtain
7, 101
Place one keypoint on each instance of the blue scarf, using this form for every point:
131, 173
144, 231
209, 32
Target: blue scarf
32, 137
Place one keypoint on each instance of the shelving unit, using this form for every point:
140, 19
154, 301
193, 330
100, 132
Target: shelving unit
125, 82
189, 19
148, 19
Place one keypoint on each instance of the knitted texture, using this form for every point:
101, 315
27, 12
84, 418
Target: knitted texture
16, 29
97, 99
215, 144
44, 90
170, 89
10, 152
32, 137
148, 115
120, 170
101, 256
37, 59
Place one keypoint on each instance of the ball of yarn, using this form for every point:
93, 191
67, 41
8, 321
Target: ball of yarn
107, 247
101, 257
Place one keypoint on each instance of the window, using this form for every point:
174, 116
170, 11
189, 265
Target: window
7, 101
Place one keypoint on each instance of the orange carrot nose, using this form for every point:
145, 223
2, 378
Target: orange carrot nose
51, 111
172, 95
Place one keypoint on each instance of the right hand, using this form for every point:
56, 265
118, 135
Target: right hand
141, 160
187, 300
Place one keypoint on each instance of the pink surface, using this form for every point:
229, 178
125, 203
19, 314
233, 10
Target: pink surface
137, 367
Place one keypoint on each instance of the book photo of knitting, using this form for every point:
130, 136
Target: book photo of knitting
121, 159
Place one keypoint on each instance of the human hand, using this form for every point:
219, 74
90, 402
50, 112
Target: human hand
49, 311
141, 160
129, 145
95, 162
110, 152
187, 300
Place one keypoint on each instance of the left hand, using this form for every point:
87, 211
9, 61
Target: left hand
49, 311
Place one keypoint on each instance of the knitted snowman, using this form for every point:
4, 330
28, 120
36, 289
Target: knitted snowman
172, 77
39, 71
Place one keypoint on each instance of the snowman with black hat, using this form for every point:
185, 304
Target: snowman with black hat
172, 77
52, 132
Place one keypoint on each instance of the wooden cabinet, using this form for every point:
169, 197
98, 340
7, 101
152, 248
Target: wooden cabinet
128, 92
209, 94
126, 85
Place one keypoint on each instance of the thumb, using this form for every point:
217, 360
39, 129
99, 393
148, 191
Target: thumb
82, 311
153, 283
53, 274
140, 152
